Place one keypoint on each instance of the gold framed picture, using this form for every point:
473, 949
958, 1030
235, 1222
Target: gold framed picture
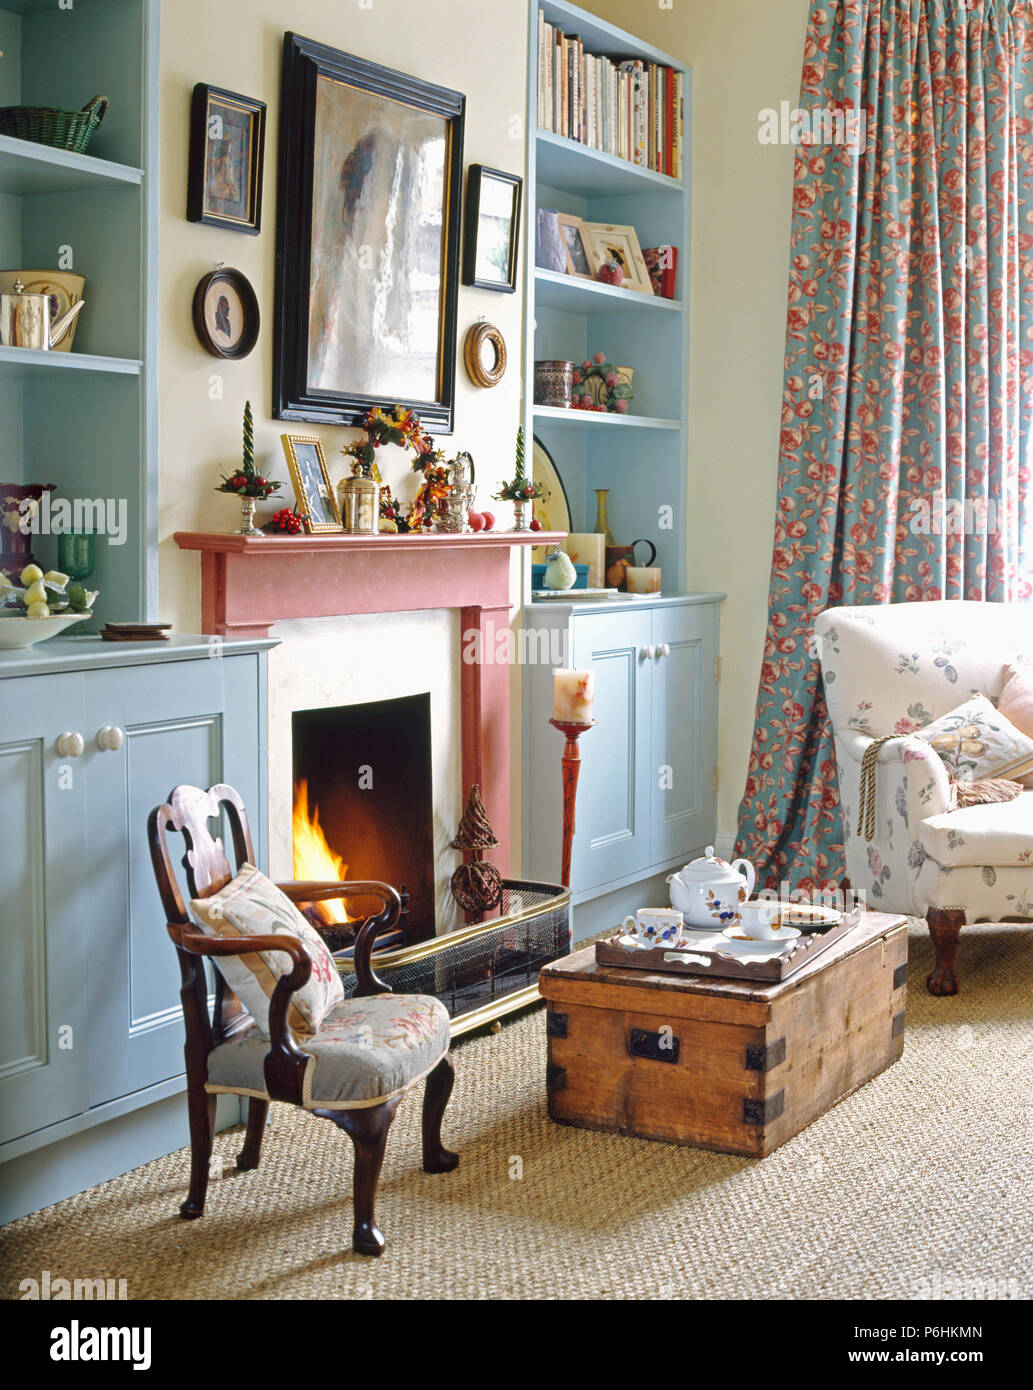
620, 244
582, 260
314, 497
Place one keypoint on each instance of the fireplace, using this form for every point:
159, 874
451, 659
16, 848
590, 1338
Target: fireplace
363, 803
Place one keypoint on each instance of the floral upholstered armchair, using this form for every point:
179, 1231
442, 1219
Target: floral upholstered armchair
892, 674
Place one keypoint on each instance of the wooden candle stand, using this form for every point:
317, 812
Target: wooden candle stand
571, 772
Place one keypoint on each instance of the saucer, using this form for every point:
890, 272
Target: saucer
739, 942
632, 943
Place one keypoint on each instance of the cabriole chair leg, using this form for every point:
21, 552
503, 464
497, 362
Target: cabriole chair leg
436, 1158
945, 924
250, 1155
201, 1107
368, 1131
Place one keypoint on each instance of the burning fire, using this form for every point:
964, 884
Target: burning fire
313, 857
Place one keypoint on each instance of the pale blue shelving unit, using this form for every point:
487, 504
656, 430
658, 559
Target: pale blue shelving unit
642, 457
86, 420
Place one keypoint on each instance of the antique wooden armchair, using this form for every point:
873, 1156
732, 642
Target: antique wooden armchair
189, 811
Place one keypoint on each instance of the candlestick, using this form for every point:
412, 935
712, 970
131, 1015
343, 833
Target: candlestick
573, 697
571, 771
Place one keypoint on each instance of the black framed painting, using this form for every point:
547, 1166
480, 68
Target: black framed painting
227, 154
367, 257
492, 232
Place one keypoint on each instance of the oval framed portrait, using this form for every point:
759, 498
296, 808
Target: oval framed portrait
226, 317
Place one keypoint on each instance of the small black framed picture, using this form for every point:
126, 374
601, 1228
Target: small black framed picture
226, 317
227, 153
492, 235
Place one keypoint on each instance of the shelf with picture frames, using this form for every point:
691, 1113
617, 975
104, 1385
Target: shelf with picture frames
577, 296
572, 318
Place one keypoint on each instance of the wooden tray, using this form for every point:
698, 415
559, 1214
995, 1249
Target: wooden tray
696, 960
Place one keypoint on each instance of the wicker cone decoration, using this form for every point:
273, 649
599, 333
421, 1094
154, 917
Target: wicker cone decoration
477, 885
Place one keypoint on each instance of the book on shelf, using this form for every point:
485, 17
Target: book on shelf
624, 107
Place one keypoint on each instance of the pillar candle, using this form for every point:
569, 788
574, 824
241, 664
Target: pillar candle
573, 697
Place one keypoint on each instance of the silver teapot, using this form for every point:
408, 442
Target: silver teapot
25, 320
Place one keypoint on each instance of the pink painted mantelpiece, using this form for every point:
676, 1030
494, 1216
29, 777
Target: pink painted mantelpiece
247, 585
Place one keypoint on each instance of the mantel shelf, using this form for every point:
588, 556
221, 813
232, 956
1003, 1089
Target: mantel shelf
248, 584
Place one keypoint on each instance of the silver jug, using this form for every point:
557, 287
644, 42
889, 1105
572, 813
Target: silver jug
25, 320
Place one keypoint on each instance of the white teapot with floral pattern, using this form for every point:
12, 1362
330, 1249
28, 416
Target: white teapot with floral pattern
710, 891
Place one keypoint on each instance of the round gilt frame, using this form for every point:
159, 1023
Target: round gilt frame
478, 335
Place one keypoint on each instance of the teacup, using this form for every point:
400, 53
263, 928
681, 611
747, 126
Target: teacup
656, 926
759, 919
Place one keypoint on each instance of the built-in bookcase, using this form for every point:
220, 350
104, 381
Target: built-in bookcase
86, 419
642, 457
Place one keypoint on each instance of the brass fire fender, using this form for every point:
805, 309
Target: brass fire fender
496, 1008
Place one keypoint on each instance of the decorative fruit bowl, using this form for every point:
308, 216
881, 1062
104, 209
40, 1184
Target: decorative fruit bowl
16, 632
41, 607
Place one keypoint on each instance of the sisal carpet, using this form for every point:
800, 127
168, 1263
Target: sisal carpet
920, 1185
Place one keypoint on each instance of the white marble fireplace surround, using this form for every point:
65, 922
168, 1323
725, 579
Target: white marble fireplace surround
325, 662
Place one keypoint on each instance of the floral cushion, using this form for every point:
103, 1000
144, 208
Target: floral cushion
252, 905
366, 1051
981, 836
1016, 702
975, 741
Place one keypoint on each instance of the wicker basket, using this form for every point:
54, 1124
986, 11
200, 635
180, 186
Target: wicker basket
47, 125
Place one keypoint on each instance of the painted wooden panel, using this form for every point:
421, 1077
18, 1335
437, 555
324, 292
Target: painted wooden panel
684, 741
43, 912
177, 723
613, 809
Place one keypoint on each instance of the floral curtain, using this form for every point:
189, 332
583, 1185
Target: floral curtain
907, 413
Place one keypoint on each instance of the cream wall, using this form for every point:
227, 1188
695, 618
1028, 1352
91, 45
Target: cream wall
746, 55
476, 48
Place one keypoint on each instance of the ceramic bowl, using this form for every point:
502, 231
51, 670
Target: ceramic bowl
17, 632
64, 288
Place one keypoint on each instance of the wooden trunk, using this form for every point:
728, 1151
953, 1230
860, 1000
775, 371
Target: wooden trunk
723, 1064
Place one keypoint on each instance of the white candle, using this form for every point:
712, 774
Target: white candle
573, 697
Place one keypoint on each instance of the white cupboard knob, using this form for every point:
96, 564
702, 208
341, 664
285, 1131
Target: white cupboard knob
71, 746
664, 649
110, 739
648, 653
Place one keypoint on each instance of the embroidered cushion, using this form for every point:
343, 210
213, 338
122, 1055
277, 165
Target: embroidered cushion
252, 905
1016, 702
366, 1051
975, 741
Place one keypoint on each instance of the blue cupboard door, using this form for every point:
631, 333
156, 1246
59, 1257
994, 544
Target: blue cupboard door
684, 750
183, 722
613, 803
43, 906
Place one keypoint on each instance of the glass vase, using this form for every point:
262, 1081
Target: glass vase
602, 521
76, 554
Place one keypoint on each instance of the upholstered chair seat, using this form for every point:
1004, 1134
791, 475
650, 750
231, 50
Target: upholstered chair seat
365, 1052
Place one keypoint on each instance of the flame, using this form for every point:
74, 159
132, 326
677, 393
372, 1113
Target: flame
313, 857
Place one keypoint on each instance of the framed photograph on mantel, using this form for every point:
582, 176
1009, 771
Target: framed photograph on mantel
314, 496
367, 246
227, 153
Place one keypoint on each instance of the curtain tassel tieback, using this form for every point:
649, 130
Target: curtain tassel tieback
866, 809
